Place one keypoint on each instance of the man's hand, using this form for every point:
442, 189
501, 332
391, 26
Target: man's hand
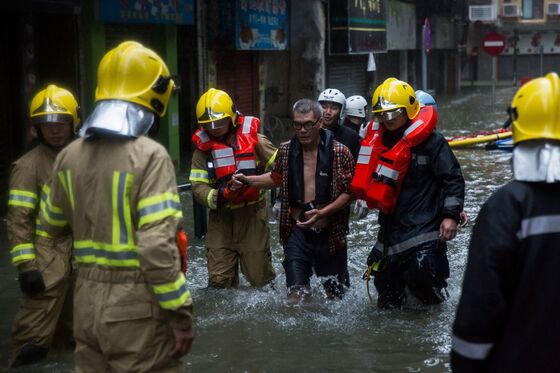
360, 209
183, 343
232, 190
463, 219
447, 229
239, 180
311, 218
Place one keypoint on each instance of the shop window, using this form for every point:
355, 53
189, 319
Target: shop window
533, 9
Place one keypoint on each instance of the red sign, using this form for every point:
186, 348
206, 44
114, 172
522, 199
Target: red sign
494, 43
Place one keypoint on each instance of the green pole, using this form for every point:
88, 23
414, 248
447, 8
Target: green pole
169, 131
93, 40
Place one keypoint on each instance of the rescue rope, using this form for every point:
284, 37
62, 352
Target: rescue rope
367, 277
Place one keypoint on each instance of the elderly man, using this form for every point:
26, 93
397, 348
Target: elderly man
314, 172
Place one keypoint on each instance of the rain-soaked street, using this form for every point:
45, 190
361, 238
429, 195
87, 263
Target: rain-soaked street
249, 330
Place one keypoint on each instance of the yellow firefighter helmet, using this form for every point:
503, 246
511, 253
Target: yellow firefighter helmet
54, 104
134, 73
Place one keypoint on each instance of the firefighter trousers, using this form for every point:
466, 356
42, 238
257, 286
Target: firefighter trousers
119, 325
239, 239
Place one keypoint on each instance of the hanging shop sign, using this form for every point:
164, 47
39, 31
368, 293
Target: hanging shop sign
534, 42
261, 25
357, 26
147, 11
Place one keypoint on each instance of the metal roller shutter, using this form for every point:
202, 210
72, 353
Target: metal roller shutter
348, 74
234, 74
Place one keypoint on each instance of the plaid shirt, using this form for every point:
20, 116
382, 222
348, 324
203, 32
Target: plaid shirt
343, 171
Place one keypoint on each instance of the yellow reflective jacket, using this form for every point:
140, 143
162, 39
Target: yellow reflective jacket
203, 182
119, 198
31, 248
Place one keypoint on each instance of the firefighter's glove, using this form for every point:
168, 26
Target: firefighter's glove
360, 209
31, 282
374, 257
229, 192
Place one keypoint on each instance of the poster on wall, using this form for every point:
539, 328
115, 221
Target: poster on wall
357, 26
261, 25
147, 11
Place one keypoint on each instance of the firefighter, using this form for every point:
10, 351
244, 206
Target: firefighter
238, 233
407, 171
43, 262
506, 319
115, 190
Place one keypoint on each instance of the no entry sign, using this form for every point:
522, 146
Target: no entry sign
494, 43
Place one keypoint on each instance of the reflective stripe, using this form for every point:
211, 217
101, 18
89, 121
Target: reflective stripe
212, 199
224, 162
422, 160
408, 244
544, 224
363, 159
48, 212
106, 254
221, 153
270, 162
247, 125
22, 198
40, 229
203, 136
388, 172
199, 175
172, 295
21, 252
375, 125
471, 350
122, 216
365, 150
159, 207
246, 165
65, 177
413, 127
452, 201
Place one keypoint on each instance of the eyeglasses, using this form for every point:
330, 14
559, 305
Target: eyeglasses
307, 125
388, 115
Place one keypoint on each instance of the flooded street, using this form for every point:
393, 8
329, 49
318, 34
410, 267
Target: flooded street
249, 330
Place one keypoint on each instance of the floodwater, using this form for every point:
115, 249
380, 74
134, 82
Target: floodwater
254, 330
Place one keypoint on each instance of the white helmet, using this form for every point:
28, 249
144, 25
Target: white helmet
356, 106
333, 95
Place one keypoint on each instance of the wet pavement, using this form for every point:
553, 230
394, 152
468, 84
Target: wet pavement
254, 330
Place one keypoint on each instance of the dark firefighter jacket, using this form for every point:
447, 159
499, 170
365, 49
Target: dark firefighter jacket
433, 189
347, 136
507, 319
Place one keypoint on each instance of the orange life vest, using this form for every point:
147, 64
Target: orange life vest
228, 160
380, 171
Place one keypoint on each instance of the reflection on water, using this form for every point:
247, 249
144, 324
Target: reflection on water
254, 330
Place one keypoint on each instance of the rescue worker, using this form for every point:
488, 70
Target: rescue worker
238, 233
43, 262
419, 203
314, 172
355, 111
506, 319
333, 102
115, 190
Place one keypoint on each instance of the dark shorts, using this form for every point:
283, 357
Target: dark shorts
424, 272
307, 250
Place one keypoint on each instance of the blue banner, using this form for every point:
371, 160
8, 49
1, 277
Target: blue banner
147, 11
262, 25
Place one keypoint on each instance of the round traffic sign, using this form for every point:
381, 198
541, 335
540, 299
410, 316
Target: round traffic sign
494, 43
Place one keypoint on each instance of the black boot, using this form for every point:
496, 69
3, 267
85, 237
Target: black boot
30, 354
